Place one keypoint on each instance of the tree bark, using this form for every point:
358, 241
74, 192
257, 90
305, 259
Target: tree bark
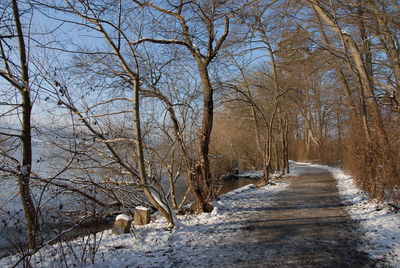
268, 145
362, 73
283, 145
155, 201
26, 138
388, 41
202, 177
172, 186
286, 147
25, 172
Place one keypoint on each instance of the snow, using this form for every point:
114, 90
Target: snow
250, 174
123, 217
379, 223
154, 246
25, 170
142, 208
156, 196
344, 32
298, 169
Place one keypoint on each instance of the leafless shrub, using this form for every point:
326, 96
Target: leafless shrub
233, 144
373, 166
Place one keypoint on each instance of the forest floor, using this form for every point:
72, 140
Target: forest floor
314, 218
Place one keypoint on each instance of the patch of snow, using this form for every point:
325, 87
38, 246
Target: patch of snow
344, 32
251, 174
142, 208
156, 196
25, 170
123, 217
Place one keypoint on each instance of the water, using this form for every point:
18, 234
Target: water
225, 186
12, 229
230, 185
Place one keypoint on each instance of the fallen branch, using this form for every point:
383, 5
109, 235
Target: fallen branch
396, 208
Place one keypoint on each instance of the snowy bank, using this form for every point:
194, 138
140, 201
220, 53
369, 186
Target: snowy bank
152, 246
378, 221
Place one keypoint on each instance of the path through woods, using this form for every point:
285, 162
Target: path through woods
305, 225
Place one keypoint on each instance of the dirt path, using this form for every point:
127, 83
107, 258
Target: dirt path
306, 225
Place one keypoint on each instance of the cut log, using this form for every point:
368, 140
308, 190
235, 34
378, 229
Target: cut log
141, 216
122, 224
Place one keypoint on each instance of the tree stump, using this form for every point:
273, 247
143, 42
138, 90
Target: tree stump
122, 224
141, 216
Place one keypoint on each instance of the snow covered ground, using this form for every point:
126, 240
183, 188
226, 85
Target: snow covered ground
154, 246
379, 223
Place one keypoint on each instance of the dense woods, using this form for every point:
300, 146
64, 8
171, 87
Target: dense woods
106, 105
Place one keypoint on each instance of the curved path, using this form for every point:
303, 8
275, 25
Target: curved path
305, 225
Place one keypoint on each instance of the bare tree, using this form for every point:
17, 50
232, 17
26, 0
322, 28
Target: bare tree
207, 16
363, 72
15, 70
386, 32
120, 64
264, 35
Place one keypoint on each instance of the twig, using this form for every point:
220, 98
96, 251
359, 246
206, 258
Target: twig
30, 253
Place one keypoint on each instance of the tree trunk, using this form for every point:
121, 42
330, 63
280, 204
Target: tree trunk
277, 163
25, 172
172, 185
286, 148
367, 90
201, 178
387, 39
26, 138
362, 73
164, 209
268, 145
283, 146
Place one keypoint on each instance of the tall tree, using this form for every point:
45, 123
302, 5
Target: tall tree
265, 25
15, 70
378, 154
362, 71
384, 14
120, 62
203, 44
